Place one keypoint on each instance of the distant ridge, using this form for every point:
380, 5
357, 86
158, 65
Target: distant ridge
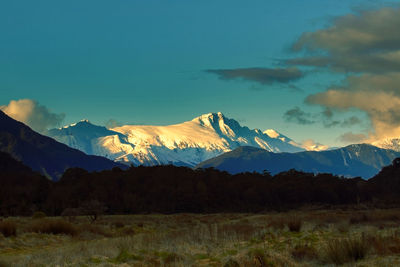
44, 154
355, 160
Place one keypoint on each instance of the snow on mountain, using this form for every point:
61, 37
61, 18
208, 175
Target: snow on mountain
92, 139
388, 143
187, 143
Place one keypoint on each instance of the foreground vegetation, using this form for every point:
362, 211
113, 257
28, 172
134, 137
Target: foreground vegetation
349, 236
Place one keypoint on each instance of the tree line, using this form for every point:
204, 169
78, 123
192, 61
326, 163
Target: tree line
172, 189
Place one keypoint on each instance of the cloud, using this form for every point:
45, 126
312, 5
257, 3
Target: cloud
111, 123
352, 138
353, 120
30, 112
265, 76
311, 145
367, 41
383, 109
326, 117
366, 47
298, 116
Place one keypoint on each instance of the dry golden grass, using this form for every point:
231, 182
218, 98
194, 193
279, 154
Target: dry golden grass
51, 226
306, 238
344, 250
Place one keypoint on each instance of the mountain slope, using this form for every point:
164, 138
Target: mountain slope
354, 160
10, 165
42, 153
186, 144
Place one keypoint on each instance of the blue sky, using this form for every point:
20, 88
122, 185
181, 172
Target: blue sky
145, 61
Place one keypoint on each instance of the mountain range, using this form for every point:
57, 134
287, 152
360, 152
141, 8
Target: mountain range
43, 154
184, 144
362, 160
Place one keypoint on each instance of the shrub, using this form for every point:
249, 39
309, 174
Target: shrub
294, 224
8, 228
358, 219
277, 224
38, 215
345, 250
124, 256
304, 252
53, 227
93, 209
168, 257
128, 231
343, 227
259, 258
95, 229
118, 224
71, 213
385, 245
231, 263
357, 248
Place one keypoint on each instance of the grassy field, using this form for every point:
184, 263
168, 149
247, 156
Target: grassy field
351, 237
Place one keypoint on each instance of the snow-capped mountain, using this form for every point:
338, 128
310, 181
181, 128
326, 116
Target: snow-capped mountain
187, 143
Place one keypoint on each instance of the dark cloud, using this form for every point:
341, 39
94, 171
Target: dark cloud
326, 118
330, 124
353, 120
260, 75
327, 113
297, 115
364, 42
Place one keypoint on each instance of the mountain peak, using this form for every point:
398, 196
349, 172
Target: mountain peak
81, 123
209, 119
212, 116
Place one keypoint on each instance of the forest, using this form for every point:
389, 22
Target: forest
170, 189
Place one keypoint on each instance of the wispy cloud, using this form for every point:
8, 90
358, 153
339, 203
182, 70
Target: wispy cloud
30, 112
352, 138
297, 115
326, 118
111, 123
265, 76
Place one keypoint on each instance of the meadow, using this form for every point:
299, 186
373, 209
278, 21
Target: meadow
349, 236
